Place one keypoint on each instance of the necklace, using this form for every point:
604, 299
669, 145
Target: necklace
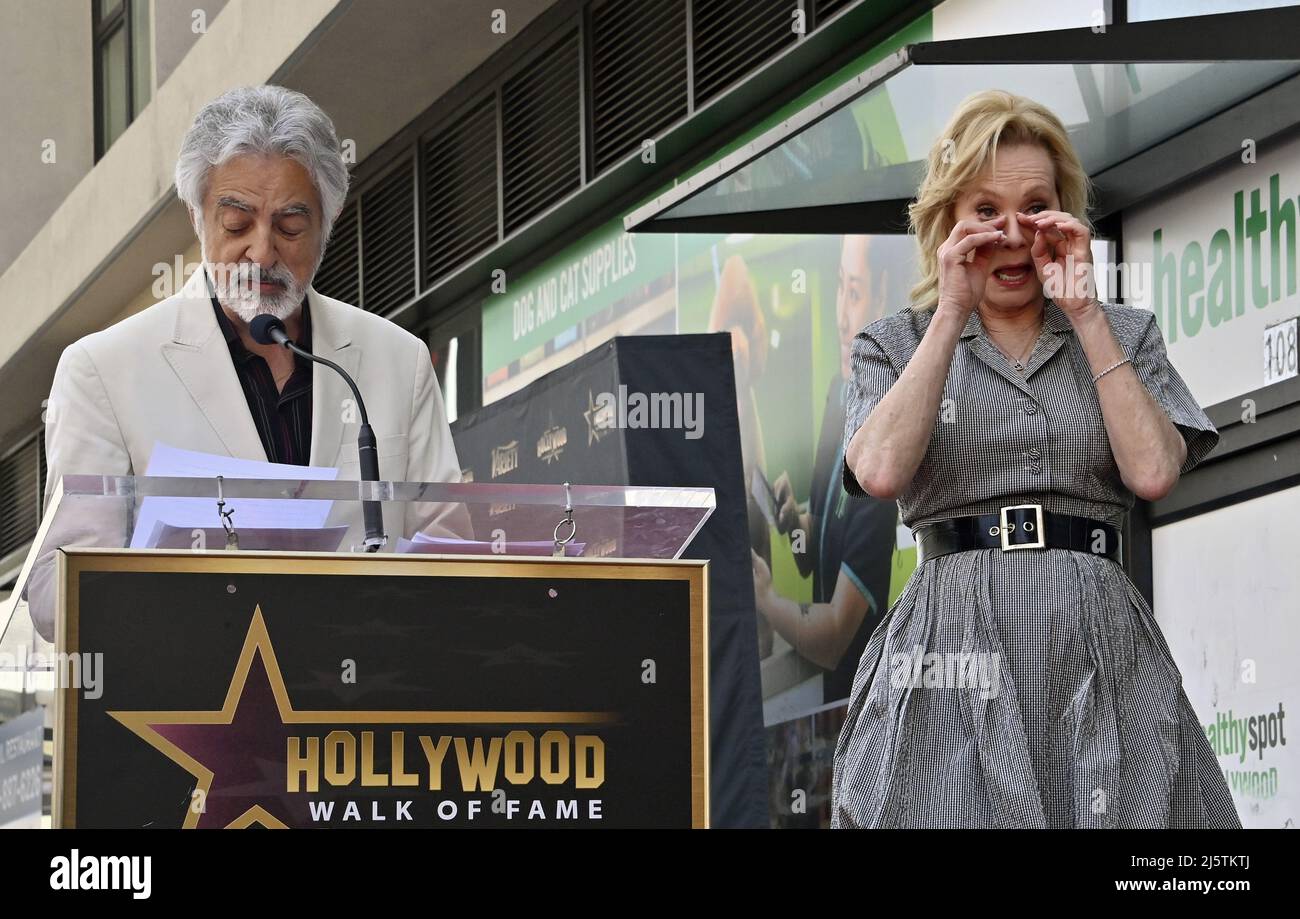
1019, 362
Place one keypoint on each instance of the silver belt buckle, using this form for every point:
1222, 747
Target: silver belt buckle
1036, 523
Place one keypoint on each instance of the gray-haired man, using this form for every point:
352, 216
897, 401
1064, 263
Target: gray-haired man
262, 175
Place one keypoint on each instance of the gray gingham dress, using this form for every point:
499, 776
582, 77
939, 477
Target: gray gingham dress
1090, 726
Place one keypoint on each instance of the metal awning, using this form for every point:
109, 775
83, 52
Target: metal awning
1148, 105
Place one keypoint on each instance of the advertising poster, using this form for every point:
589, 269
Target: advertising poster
826, 566
22, 751
1224, 590
1217, 264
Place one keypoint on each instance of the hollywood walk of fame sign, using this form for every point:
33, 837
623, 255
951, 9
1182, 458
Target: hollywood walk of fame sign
262, 689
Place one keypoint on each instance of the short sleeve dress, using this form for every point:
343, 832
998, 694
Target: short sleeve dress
1079, 717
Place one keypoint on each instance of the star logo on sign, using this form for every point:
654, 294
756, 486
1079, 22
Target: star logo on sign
223, 749
237, 754
598, 418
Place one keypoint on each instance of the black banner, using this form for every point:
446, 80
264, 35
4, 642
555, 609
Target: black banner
654, 410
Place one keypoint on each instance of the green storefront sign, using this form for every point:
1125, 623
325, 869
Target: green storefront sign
586, 278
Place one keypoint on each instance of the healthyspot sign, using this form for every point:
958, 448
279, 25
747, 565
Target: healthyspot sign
1217, 263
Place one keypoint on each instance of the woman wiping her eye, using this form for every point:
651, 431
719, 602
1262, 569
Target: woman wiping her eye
1020, 680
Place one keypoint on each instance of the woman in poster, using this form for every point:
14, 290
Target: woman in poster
1020, 680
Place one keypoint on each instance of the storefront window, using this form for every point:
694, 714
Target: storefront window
123, 67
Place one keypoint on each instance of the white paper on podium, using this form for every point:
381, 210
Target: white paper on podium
249, 513
449, 545
281, 539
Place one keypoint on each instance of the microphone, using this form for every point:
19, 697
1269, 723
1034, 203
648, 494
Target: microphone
268, 330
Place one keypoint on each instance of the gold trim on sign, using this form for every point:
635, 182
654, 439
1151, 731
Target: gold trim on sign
700, 699
257, 816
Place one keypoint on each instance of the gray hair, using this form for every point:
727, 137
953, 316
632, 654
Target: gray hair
266, 120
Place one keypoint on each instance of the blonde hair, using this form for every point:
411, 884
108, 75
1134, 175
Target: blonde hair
983, 122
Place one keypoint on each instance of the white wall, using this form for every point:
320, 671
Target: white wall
46, 95
973, 18
174, 24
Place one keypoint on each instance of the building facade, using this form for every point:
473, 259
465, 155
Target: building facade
498, 145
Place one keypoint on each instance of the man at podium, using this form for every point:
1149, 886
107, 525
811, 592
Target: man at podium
262, 175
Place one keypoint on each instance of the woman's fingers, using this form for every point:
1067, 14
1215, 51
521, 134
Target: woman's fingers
1069, 224
984, 231
967, 245
963, 228
1052, 215
1041, 252
1066, 227
964, 246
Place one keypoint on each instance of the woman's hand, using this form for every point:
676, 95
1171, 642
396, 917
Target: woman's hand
964, 261
1062, 254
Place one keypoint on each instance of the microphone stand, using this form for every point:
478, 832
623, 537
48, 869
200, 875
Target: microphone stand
266, 329
367, 453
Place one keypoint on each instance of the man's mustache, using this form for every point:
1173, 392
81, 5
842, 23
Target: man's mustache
247, 277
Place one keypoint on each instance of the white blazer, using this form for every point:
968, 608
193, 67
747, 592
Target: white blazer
166, 375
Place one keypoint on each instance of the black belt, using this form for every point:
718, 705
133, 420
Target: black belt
1018, 526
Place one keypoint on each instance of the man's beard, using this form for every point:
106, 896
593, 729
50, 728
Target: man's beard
238, 289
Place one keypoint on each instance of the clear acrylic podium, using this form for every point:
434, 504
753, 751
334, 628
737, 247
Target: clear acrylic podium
153, 516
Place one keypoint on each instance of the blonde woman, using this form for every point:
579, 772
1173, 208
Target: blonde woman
1020, 680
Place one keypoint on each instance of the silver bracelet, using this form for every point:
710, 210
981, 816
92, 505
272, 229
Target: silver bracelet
1109, 369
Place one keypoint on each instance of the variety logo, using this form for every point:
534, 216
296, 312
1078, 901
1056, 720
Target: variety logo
505, 458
